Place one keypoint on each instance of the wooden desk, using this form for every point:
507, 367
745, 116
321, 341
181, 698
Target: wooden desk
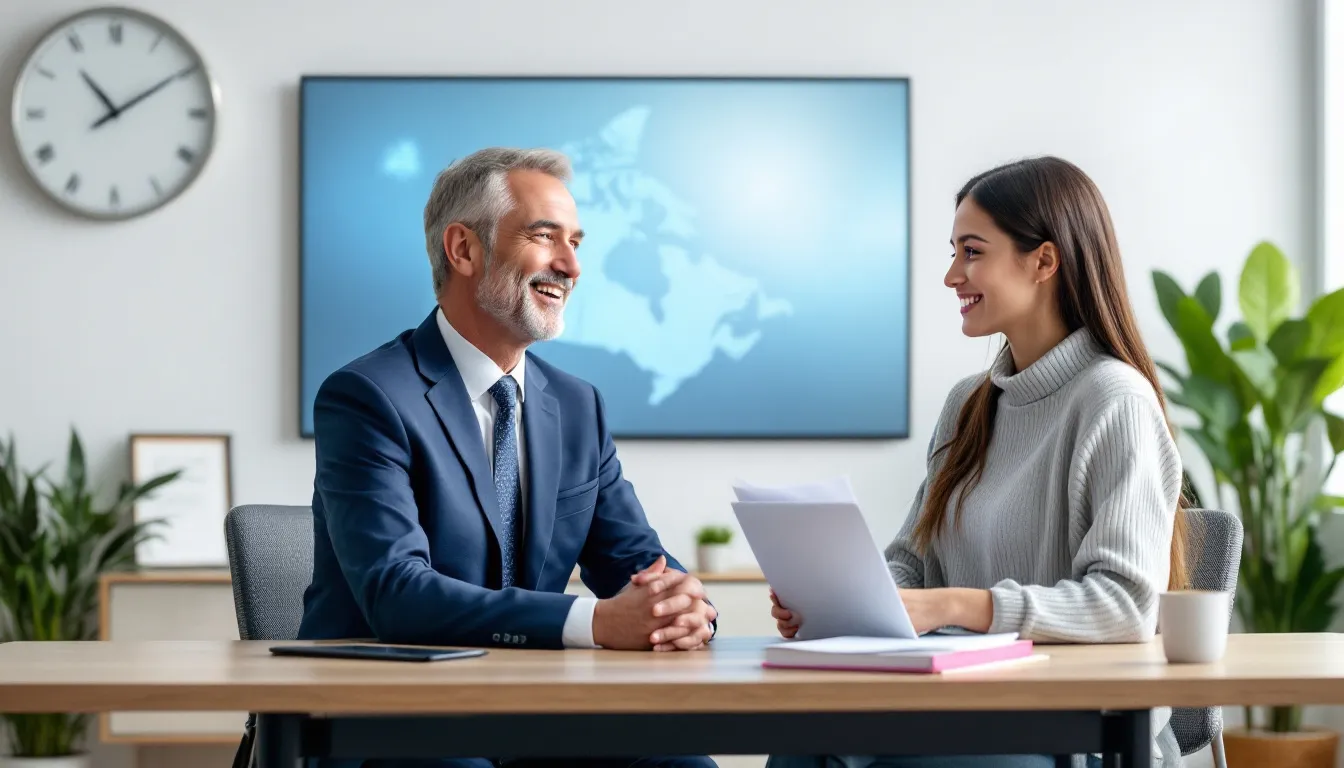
190, 605
1083, 699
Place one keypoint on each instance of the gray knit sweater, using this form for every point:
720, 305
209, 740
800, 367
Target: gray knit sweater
1070, 525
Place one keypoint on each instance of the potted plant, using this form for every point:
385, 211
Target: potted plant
712, 548
55, 540
1258, 401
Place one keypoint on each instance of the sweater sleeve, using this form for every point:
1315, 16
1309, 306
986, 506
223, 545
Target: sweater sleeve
1123, 486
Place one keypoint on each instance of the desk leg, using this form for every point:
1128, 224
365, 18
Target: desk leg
278, 741
1128, 739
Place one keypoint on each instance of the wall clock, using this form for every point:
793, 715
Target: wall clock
114, 113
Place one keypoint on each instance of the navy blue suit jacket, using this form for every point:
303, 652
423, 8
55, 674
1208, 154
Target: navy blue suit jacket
405, 518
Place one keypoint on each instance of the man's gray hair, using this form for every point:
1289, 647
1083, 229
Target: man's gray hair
475, 191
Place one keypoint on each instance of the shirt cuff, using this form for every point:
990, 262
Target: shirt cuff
578, 631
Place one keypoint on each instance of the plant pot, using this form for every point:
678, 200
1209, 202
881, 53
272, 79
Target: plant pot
1308, 748
712, 558
64, 761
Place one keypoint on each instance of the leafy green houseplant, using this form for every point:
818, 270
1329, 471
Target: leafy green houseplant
1258, 397
56, 539
712, 547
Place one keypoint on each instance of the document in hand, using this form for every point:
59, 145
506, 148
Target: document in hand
929, 654
819, 557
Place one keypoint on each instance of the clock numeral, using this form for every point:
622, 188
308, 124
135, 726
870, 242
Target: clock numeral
75, 42
37, 114
114, 31
72, 184
47, 73
45, 153
199, 113
155, 44
153, 182
113, 198
186, 154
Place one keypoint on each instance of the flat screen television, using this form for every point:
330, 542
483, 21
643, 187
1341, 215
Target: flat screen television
745, 272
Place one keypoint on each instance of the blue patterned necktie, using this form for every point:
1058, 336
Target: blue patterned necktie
507, 487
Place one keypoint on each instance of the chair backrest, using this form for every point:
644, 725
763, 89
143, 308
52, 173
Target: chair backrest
271, 564
1214, 558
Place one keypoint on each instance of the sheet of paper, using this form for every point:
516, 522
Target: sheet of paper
848, 645
822, 562
834, 490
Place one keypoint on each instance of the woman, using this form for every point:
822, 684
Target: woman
1051, 507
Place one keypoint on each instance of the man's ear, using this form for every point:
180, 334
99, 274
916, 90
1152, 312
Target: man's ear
462, 249
1047, 261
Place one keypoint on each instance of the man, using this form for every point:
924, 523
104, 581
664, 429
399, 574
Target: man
460, 479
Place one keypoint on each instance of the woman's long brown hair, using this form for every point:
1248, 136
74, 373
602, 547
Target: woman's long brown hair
1037, 201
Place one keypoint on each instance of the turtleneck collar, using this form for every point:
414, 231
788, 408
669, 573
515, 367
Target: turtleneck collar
1045, 376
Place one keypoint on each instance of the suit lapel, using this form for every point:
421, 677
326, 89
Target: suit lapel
448, 398
541, 428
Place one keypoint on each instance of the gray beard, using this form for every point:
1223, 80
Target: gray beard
503, 294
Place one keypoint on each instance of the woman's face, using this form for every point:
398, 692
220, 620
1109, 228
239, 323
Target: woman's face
999, 287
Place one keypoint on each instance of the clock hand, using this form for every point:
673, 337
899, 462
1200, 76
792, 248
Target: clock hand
111, 108
144, 95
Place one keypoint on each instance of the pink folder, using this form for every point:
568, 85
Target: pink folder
927, 662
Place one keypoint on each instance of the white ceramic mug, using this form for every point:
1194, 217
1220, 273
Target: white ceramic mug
1193, 624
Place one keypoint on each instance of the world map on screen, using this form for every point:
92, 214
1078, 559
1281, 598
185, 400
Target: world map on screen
745, 263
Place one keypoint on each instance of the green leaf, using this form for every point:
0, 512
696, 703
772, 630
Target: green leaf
1169, 294
1289, 341
1203, 353
1215, 401
1334, 427
1332, 378
1258, 365
1268, 290
1209, 293
74, 468
1214, 450
1294, 396
1313, 609
1326, 318
1239, 336
1326, 503
1172, 372
151, 485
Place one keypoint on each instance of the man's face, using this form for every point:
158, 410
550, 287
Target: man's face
534, 266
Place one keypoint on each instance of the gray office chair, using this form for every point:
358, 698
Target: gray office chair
1214, 559
270, 563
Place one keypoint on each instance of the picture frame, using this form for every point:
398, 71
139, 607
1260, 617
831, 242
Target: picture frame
192, 507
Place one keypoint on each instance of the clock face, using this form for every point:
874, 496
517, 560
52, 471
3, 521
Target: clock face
114, 113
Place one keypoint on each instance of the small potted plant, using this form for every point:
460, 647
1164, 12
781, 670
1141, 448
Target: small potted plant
55, 540
712, 548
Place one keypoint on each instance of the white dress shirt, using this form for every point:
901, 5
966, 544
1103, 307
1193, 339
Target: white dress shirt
479, 373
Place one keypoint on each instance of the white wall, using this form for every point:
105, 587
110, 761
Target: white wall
1190, 116
1194, 118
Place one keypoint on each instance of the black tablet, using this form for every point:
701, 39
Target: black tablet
380, 652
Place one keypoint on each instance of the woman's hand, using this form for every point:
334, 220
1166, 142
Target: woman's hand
930, 609
785, 620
